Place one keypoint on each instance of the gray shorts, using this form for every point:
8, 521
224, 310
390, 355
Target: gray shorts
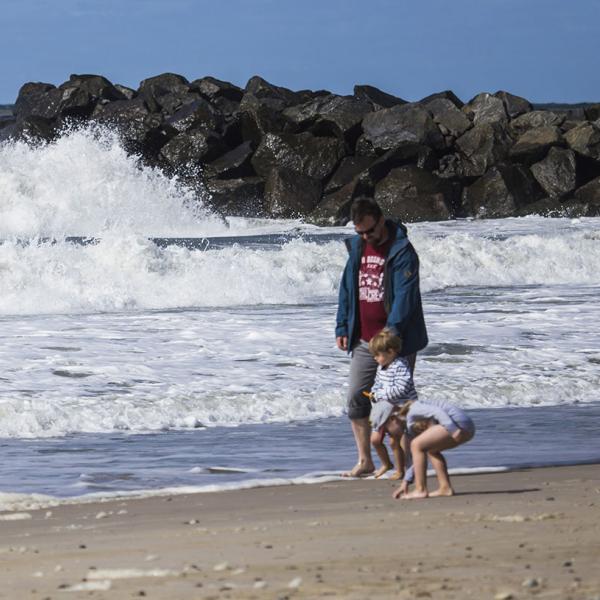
362, 375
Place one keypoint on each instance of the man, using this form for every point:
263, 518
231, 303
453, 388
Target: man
379, 288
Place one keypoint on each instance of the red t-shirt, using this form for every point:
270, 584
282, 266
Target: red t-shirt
370, 290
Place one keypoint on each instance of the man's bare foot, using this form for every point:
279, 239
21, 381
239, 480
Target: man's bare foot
415, 495
396, 476
360, 470
446, 491
382, 469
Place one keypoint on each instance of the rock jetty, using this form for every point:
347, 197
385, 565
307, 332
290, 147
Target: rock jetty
264, 150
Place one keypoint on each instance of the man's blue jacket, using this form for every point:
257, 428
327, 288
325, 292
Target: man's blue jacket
402, 296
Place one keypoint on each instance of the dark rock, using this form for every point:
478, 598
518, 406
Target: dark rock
534, 144
413, 194
238, 197
197, 114
142, 132
585, 139
546, 207
410, 154
450, 119
166, 92
212, 88
401, 125
260, 117
376, 98
576, 114
290, 194
128, 93
501, 192
231, 131
556, 174
222, 94
234, 164
346, 171
192, 148
534, 120
482, 147
338, 116
590, 194
514, 105
485, 108
279, 97
302, 152
446, 95
334, 209
592, 112
37, 100
30, 129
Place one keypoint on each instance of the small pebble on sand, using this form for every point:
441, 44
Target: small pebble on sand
224, 566
295, 583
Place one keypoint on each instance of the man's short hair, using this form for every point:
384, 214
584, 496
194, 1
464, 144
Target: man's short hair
364, 206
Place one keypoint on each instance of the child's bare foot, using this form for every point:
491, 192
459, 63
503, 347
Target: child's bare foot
395, 476
382, 469
414, 495
360, 470
445, 491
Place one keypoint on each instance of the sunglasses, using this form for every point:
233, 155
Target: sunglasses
367, 231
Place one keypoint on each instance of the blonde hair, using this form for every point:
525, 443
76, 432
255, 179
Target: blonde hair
384, 341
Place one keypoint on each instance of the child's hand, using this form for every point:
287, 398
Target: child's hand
370, 396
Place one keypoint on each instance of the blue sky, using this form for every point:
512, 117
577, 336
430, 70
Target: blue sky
545, 50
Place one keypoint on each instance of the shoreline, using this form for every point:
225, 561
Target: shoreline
525, 533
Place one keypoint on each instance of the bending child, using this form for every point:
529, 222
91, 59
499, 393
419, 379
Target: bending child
393, 384
434, 426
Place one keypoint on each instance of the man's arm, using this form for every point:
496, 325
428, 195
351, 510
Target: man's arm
405, 284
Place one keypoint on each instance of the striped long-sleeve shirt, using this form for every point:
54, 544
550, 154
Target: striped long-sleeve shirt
394, 383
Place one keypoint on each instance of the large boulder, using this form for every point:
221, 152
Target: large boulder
332, 115
534, 144
290, 194
221, 94
349, 167
413, 194
557, 173
315, 157
585, 139
166, 93
30, 129
278, 97
334, 208
260, 116
38, 100
482, 147
445, 95
81, 94
590, 193
196, 114
408, 124
192, 148
242, 197
376, 98
485, 108
448, 117
501, 192
514, 105
592, 112
534, 120
234, 164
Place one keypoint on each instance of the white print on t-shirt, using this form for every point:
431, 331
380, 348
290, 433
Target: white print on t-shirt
370, 279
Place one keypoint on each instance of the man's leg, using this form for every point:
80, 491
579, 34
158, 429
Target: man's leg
362, 374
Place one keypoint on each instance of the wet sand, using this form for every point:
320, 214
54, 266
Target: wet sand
527, 534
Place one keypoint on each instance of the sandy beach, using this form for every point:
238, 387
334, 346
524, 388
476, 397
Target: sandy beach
524, 534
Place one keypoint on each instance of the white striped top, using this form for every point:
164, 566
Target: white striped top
394, 383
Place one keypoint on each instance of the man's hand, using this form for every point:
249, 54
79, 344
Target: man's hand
342, 342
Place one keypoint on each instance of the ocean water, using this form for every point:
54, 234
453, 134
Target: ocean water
150, 344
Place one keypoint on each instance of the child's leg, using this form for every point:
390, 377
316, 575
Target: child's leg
434, 439
441, 470
398, 457
377, 443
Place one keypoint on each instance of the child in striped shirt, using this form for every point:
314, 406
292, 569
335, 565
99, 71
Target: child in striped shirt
394, 384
